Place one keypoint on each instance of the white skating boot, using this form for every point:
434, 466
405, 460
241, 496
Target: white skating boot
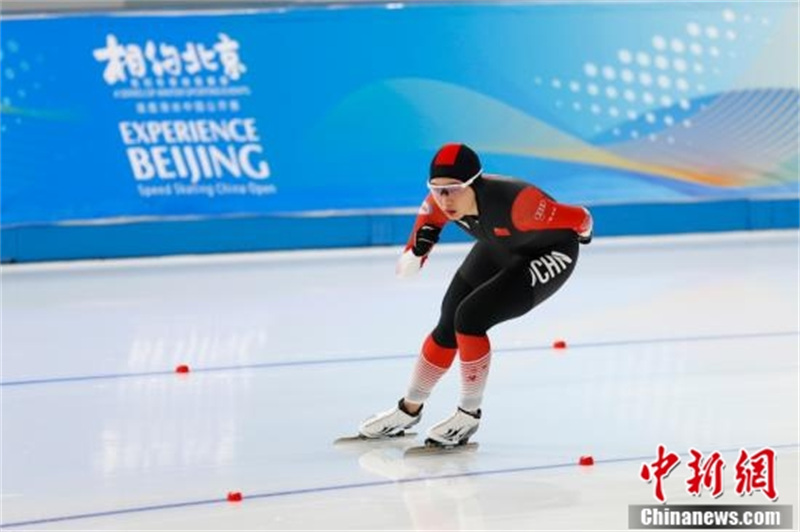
455, 430
388, 424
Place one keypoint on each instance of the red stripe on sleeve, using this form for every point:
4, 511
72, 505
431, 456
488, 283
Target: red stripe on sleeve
533, 210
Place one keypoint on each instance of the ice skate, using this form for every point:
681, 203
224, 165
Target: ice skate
452, 434
391, 424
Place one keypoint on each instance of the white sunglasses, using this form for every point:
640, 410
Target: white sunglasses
454, 188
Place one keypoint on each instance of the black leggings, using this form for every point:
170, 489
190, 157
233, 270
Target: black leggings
491, 287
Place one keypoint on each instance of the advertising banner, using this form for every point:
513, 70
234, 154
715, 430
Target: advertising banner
316, 109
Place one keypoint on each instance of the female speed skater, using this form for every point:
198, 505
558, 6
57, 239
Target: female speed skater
526, 249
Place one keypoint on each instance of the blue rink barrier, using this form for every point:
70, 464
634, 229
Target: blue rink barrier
66, 242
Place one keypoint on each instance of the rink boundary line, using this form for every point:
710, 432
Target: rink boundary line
358, 485
353, 253
380, 358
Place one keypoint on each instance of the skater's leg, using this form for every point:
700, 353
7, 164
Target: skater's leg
439, 349
512, 292
503, 296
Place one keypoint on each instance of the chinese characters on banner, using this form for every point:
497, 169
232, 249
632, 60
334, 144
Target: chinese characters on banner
132, 60
753, 472
186, 134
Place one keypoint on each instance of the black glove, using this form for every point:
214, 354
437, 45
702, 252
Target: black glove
426, 237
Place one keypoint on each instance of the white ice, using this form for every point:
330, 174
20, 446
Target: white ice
690, 342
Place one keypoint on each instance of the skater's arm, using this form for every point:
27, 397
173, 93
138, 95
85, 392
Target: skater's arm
533, 210
424, 236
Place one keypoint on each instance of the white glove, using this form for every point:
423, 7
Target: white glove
408, 265
585, 236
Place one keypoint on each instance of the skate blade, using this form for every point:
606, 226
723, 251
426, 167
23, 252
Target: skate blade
436, 449
358, 438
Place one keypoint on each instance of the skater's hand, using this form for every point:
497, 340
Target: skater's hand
426, 237
413, 258
587, 229
408, 265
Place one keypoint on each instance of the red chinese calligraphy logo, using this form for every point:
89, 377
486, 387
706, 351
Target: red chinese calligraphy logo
659, 470
705, 475
756, 473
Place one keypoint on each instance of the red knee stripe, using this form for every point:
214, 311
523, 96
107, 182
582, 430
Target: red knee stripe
472, 347
436, 354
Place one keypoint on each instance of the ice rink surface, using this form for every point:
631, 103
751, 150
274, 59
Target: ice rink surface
690, 342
